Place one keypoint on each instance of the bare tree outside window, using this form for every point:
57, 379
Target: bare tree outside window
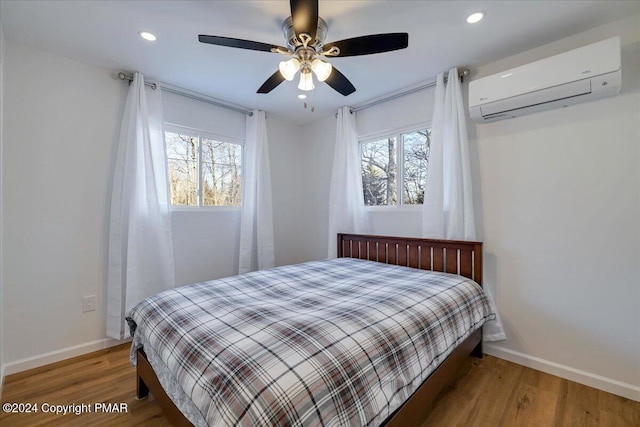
206, 164
416, 155
221, 170
379, 172
182, 156
395, 165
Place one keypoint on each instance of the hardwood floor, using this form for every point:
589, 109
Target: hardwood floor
105, 376
488, 392
494, 392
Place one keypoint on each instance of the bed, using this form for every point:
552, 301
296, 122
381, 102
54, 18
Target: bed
312, 373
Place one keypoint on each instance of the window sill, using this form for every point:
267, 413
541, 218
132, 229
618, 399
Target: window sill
209, 209
391, 209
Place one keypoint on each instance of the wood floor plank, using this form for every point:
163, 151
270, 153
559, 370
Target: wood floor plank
505, 378
582, 408
466, 387
613, 408
487, 392
535, 400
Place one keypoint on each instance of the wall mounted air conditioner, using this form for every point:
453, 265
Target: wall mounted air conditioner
580, 75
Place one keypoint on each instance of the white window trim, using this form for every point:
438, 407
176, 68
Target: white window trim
397, 132
372, 136
172, 127
207, 133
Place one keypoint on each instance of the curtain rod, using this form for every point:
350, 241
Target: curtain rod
461, 75
123, 76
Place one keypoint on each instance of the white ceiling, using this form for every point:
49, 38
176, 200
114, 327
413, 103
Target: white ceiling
105, 34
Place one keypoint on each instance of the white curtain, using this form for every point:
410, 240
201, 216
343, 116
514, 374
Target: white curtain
256, 229
346, 199
140, 241
448, 202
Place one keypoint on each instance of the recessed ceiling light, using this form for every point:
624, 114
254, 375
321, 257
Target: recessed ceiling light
147, 36
475, 17
302, 96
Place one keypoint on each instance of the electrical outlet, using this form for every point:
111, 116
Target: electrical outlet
88, 303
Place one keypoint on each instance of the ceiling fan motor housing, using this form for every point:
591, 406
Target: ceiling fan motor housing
293, 42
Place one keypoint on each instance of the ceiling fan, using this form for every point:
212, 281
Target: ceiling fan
305, 33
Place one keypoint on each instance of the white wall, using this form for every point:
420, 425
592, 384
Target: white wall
288, 191
557, 198
61, 124
2, 61
317, 157
61, 131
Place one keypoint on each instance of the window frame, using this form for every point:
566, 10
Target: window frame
385, 134
201, 133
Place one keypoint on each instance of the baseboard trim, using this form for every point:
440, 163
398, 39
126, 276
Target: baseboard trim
56, 356
1, 379
609, 385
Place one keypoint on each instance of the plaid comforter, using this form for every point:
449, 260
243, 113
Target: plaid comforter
341, 342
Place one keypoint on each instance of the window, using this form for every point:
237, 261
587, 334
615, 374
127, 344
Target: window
204, 170
384, 177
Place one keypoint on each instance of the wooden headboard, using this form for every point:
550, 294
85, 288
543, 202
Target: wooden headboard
450, 256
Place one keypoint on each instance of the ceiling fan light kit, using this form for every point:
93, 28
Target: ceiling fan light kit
306, 81
321, 68
305, 33
289, 68
301, 61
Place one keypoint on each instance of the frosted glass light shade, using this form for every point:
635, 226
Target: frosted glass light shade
306, 81
322, 69
289, 68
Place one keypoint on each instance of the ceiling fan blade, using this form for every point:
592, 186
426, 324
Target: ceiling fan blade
304, 15
340, 83
271, 83
239, 43
367, 45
